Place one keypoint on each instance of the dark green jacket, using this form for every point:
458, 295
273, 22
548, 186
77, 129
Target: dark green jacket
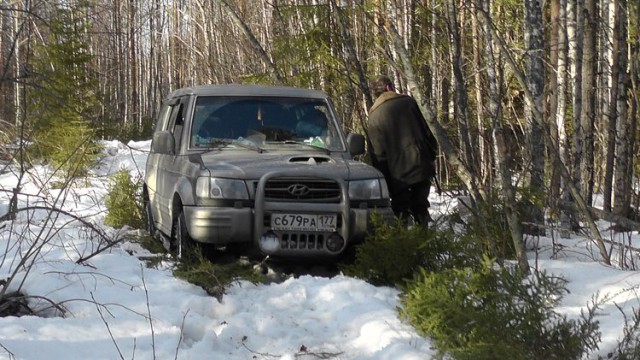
403, 146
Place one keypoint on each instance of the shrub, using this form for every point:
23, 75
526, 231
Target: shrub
629, 346
122, 201
489, 228
493, 313
393, 253
66, 144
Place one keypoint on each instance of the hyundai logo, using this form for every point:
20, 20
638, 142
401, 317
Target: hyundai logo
298, 189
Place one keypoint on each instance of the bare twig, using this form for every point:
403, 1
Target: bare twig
57, 306
92, 274
107, 326
11, 355
300, 354
69, 214
146, 296
244, 345
184, 317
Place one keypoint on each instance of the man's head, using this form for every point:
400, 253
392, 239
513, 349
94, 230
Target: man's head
381, 84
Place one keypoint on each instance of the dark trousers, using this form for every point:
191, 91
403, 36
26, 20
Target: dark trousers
412, 201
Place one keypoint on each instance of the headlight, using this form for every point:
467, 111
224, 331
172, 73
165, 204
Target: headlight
217, 188
367, 189
385, 189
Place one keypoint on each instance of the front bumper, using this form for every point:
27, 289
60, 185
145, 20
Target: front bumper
225, 225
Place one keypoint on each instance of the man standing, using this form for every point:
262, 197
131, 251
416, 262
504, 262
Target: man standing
404, 150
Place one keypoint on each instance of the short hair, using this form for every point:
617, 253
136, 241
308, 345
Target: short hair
379, 85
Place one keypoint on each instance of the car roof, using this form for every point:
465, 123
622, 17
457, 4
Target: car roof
247, 90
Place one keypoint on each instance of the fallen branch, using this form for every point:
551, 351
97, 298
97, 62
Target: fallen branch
605, 215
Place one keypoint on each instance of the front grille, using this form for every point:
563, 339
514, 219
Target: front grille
295, 241
310, 190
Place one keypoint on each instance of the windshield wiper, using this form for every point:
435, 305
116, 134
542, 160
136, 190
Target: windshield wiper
318, 147
215, 143
245, 143
248, 144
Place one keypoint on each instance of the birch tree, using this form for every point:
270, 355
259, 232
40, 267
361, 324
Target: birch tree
535, 83
500, 152
623, 154
461, 114
607, 91
588, 97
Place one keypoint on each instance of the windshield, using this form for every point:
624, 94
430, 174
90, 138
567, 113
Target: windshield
275, 121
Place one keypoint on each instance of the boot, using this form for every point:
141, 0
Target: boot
423, 219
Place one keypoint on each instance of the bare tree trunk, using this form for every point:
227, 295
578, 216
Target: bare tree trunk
552, 93
501, 153
437, 88
574, 41
461, 113
484, 162
153, 84
352, 57
5, 65
121, 71
588, 115
173, 74
606, 94
535, 83
560, 116
574, 20
252, 39
634, 69
622, 187
575, 192
612, 114
17, 95
133, 68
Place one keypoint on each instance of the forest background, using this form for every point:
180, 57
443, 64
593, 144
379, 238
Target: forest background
534, 103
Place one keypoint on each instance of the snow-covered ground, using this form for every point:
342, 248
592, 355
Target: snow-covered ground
112, 306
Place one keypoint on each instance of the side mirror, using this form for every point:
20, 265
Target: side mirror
163, 143
355, 143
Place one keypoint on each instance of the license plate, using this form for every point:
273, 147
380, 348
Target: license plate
303, 222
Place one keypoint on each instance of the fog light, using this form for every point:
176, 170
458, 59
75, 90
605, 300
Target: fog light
269, 242
335, 242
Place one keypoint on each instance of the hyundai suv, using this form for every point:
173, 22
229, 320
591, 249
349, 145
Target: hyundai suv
263, 166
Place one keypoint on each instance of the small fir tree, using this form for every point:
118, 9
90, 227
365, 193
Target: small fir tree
122, 201
495, 313
63, 100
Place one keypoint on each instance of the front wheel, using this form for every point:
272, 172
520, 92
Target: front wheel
149, 223
184, 245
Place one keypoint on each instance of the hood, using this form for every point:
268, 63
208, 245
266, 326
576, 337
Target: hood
251, 165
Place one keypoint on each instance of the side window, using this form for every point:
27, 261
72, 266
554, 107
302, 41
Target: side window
175, 118
163, 118
176, 122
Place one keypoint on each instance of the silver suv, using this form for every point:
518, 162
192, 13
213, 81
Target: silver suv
263, 166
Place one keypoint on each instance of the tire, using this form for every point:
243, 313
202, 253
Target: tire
184, 244
149, 223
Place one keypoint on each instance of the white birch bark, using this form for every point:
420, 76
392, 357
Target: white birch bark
623, 145
500, 153
535, 84
561, 112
